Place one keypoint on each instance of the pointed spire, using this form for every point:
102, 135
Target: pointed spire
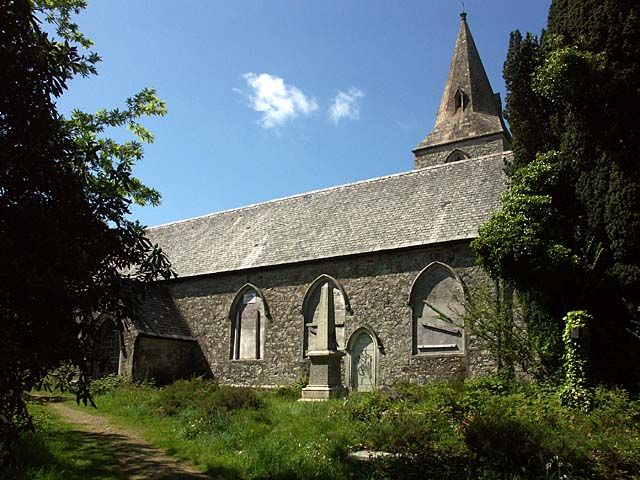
468, 108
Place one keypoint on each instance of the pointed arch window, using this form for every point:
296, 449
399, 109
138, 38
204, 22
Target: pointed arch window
436, 302
456, 156
248, 316
311, 310
460, 100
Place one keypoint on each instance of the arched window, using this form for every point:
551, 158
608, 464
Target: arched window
436, 302
107, 349
455, 156
311, 309
460, 100
248, 316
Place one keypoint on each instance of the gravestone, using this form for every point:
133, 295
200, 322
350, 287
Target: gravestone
325, 378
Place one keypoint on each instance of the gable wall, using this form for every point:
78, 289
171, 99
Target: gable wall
378, 287
473, 147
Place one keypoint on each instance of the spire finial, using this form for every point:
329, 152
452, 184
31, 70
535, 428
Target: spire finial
463, 14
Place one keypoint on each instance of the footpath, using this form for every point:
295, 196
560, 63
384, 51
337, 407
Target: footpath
135, 458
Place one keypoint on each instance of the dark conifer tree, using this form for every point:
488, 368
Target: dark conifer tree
573, 211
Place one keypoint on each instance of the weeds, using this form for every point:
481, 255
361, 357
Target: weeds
481, 429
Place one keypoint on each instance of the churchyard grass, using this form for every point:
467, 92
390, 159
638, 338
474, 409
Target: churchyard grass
244, 435
57, 451
480, 429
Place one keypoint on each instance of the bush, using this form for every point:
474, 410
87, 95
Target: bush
293, 391
205, 397
506, 442
235, 398
368, 406
403, 431
108, 383
183, 394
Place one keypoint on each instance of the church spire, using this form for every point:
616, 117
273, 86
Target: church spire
469, 121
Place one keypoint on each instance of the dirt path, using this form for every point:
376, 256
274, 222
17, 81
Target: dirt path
136, 458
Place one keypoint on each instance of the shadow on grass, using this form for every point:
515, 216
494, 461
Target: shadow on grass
53, 454
45, 398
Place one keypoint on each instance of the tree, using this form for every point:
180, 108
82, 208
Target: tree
568, 233
68, 250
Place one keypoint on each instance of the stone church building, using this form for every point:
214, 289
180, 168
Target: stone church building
392, 253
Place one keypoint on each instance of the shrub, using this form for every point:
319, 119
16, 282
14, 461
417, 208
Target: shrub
235, 398
288, 392
402, 431
183, 394
368, 406
205, 397
293, 391
506, 442
108, 383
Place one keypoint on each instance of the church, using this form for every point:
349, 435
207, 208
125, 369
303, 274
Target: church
388, 257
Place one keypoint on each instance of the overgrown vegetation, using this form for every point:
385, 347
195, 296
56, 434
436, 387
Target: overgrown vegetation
493, 315
488, 428
568, 234
576, 391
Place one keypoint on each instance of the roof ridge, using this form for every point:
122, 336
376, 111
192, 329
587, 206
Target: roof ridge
323, 190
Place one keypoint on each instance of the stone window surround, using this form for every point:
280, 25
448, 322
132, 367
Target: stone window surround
320, 280
456, 155
410, 302
460, 100
232, 319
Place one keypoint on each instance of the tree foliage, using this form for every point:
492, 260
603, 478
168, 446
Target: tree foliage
568, 233
68, 249
489, 315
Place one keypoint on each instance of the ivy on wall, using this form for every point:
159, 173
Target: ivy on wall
576, 392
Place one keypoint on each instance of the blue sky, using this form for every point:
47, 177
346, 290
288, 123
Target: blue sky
267, 99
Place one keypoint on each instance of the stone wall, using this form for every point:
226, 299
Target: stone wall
166, 360
474, 147
377, 287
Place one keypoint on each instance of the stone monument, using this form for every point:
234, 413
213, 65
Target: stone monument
325, 373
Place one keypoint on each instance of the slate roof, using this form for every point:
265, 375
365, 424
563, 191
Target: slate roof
432, 205
160, 316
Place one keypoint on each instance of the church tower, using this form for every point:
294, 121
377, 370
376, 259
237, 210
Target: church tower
469, 121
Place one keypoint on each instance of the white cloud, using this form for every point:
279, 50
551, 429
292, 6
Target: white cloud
277, 101
346, 105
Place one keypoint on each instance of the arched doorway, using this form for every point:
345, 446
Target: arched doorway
107, 350
363, 361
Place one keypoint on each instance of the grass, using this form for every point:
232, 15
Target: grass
57, 452
279, 438
483, 429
